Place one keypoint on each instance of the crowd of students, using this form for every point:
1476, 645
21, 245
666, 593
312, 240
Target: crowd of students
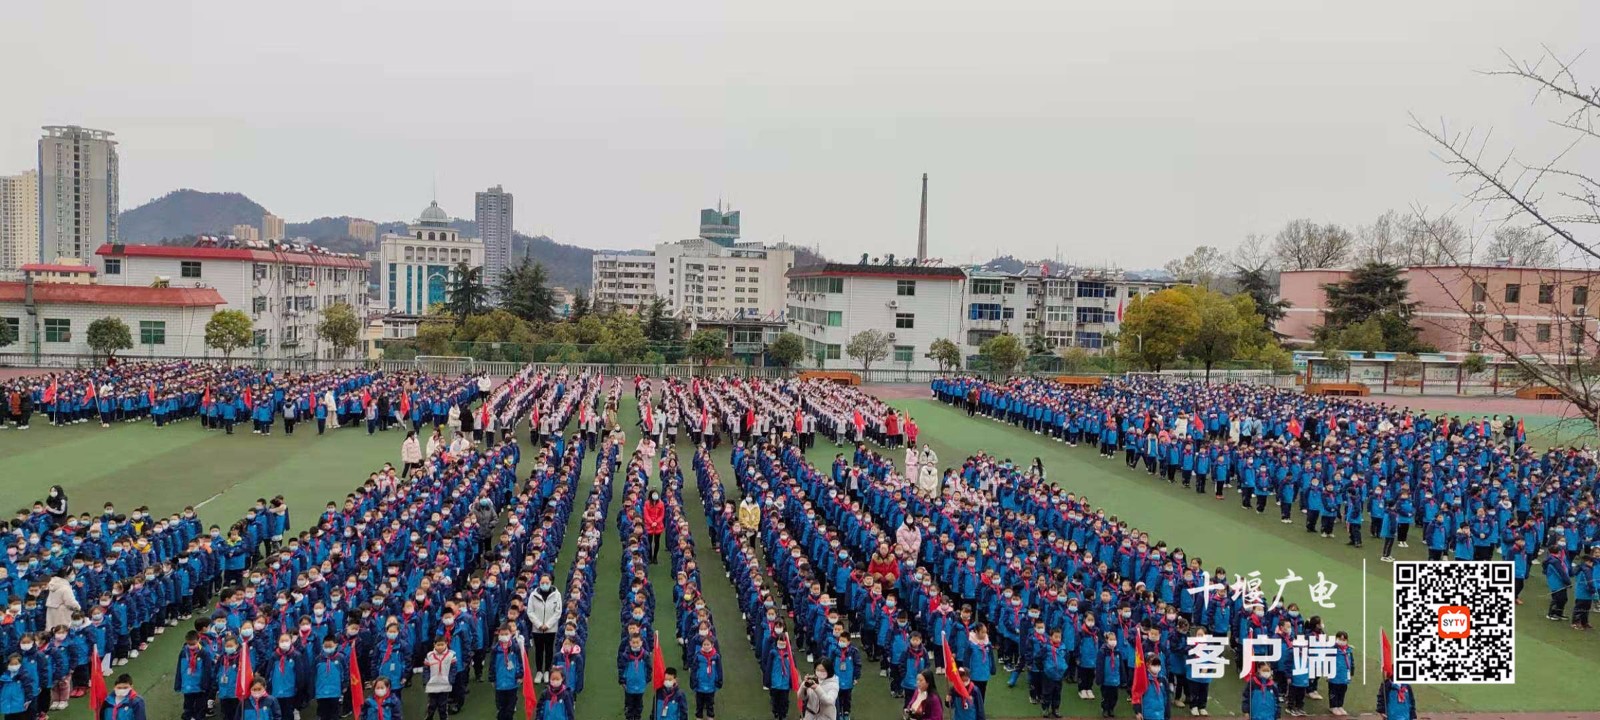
222, 396
1474, 489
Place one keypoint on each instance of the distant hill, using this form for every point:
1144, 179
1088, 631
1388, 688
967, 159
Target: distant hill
187, 212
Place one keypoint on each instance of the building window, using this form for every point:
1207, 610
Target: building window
1475, 331
1577, 334
57, 330
1542, 332
259, 304
1513, 293
983, 311
905, 321
903, 353
1480, 293
1091, 340
16, 327
189, 269
979, 337
1509, 332
1091, 289
152, 332
905, 288
1009, 288
986, 287
113, 266
1547, 294
259, 338
1580, 295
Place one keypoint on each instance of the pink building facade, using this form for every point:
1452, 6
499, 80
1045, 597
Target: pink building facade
1486, 309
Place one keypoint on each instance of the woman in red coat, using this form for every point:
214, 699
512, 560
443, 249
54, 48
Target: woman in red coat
655, 523
891, 429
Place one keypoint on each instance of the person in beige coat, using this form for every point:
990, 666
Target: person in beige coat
61, 603
820, 693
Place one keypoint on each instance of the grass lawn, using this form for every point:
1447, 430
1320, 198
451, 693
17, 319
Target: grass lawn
140, 465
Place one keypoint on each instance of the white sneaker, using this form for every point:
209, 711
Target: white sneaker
1205, 712
133, 654
1194, 711
1314, 695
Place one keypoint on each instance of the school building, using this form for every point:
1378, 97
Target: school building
915, 305
1471, 308
283, 291
54, 318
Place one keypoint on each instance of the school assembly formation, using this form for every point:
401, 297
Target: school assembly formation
441, 577
221, 397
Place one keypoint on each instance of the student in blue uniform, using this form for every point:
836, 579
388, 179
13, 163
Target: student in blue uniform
670, 703
261, 705
556, 702
705, 678
382, 704
1396, 701
1260, 698
505, 661
123, 703
329, 677
193, 677
1108, 674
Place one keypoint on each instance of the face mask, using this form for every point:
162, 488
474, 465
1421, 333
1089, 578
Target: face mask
246, 632
230, 650
123, 692
13, 668
392, 635
329, 650
381, 692
258, 694
285, 644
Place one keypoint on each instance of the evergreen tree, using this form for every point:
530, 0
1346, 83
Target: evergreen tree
659, 324
1255, 283
1374, 291
580, 305
524, 293
466, 294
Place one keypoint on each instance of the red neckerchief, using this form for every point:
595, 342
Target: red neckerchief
282, 658
193, 656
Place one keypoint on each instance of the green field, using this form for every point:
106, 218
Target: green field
168, 468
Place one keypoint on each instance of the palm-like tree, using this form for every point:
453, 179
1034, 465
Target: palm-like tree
466, 293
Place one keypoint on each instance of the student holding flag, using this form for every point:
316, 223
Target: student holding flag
508, 670
557, 701
1396, 701
384, 703
123, 704
670, 704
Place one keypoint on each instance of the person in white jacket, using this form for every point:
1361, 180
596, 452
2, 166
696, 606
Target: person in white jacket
820, 693
410, 453
61, 603
544, 616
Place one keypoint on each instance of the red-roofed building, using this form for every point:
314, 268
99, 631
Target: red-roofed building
58, 273
283, 291
163, 321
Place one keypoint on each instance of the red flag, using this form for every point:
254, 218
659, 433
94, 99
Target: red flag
243, 690
583, 413
794, 683
658, 665
483, 416
649, 418
1294, 427
50, 392
951, 673
97, 682
405, 403
357, 697
1388, 654
152, 393
366, 398
206, 398
530, 694
1522, 433
1119, 309
1141, 679
89, 395
247, 402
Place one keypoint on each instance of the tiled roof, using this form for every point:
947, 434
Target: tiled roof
61, 294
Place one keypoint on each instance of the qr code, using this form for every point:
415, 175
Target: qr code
1454, 622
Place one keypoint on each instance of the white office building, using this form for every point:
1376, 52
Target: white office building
711, 277
1069, 306
828, 304
54, 318
282, 288
415, 268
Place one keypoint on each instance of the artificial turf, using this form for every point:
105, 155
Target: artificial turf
168, 468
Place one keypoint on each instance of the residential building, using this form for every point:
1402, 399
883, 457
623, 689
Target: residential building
246, 233
78, 203
282, 291
415, 268
1068, 306
707, 277
67, 272
364, 230
55, 318
623, 281
272, 228
831, 303
748, 337
1488, 309
19, 220
494, 216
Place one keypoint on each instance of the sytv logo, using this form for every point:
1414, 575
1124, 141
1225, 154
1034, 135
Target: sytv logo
1455, 621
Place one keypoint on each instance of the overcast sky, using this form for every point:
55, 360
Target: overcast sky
1117, 132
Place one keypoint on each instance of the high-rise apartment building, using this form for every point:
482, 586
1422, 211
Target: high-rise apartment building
364, 230
494, 226
246, 233
271, 228
19, 220
77, 192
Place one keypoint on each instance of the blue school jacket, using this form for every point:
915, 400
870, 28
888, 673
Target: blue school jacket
262, 708
670, 705
1260, 699
128, 708
194, 671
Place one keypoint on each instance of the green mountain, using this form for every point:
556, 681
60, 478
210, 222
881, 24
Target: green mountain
186, 212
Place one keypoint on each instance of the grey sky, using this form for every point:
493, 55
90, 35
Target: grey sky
1120, 132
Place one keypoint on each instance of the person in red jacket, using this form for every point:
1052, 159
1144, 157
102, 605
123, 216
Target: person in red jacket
891, 429
911, 432
655, 523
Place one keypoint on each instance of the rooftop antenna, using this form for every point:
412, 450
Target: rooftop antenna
922, 224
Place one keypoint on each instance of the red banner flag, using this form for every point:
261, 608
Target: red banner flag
658, 665
794, 683
50, 392
89, 394
483, 416
951, 673
247, 402
97, 682
405, 403
152, 393
530, 694
357, 696
242, 690
1388, 654
1141, 679
205, 399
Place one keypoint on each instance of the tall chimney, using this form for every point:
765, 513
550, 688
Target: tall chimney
922, 226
